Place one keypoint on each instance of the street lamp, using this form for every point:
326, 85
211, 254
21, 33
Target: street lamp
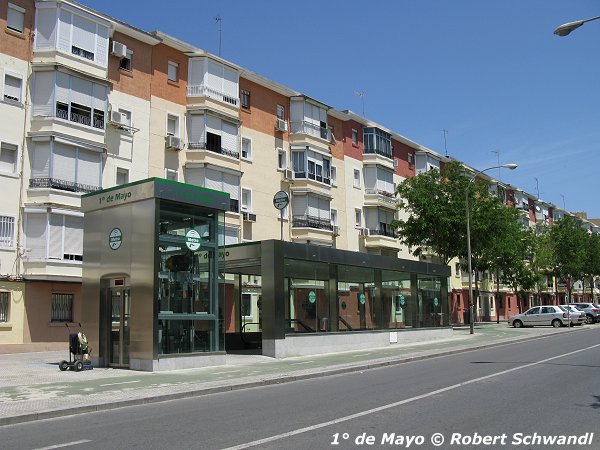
505, 166
566, 28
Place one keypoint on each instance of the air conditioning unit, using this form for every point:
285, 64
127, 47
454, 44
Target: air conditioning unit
288, 174
281, 125
249, 217
174, 142
364, 231
118, 118
118, 49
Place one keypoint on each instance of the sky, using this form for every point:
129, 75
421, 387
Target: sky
491, 73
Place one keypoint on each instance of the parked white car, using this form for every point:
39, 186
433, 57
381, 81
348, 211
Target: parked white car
540, 315
577, 316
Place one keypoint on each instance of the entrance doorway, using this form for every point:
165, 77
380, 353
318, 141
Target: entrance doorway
119, 326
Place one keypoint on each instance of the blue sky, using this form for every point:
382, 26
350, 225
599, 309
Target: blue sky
490, 72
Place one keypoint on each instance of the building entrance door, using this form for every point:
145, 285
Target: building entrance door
120, 304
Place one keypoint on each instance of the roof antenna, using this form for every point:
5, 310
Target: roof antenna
445, 145
218, 21
361, 94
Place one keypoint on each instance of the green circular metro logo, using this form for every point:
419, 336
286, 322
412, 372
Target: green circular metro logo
115, 238
193, 241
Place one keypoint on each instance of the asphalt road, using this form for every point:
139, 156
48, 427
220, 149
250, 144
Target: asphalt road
504, 395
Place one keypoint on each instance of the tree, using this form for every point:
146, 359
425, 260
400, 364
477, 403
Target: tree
569, 252
435, 204
591, 265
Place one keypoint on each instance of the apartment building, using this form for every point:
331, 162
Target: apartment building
89, 103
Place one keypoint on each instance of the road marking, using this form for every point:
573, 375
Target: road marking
122, 382
361, 354
304, 362
399, 403
66, 444
223, 373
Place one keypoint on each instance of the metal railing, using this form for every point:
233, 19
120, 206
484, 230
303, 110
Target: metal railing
63, 185
82, 119
219, 150
388, 231
379, 192
201, 90
311, 222
311, 129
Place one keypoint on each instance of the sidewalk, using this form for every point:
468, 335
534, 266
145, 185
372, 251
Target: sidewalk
33, 388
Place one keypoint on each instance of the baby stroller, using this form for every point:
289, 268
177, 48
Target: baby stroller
80, 355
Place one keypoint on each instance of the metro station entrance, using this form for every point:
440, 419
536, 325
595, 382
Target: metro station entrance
120, 317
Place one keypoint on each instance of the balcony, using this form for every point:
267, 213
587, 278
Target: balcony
380, 198
213, 148
382, 237
311, 222
81, 117
310, 129
384, 153
204, 91
70, 186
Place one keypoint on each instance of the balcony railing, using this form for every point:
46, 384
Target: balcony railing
83, 119
311, 222
63, 185
219, 150
204, 91
379, 192
310, 129
387, 154
383, 231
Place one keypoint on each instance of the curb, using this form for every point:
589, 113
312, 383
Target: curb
267, 382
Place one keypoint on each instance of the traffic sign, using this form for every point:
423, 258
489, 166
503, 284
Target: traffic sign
281, 199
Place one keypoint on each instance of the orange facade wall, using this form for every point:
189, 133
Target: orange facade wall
262, 114
337, 146
400, 153
353, 150
173, 91
137, 81
16, 44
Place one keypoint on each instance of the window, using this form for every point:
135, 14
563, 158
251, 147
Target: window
354, 137
172, 71
171, 174
246, 148
126, 62
281, 159
246, 199
8, 158
7, 231
411, 160
311, 165
15, 18
246, 305
172, 125
377, 141
356, 178
122, 176
12, 88
281, 112
357, 217
334, 217
62, 308
333, 176
4, 306
245, 99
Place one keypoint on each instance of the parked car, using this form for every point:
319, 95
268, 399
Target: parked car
540, 315
576, 315
592, 311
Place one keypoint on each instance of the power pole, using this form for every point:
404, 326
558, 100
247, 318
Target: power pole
218, 21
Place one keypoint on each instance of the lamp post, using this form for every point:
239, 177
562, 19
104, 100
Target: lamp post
505, 166
566, 28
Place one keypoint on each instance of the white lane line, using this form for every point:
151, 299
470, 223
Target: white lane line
222, 373
303, 362
66, 444
361, 354
400, 403
122, 382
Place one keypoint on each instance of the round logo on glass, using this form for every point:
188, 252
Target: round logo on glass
402, 300
193, 241
115, 238
436, 301
312, 297
362, 299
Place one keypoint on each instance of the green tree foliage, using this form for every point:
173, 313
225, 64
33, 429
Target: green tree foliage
435, 204
569, 241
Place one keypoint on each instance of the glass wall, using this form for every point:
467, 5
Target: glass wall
432, 304
399, 306
189, 316
308, 287
356, 299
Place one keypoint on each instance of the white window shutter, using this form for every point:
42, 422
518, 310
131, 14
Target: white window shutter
43, 92
194, 176
84, 33
81, 91
63, 162
12, 87
55, 238
73, 235
45, 28
40, 167
35, 235
196, 128
230, 83
231, 185
64, 31
88, 167
229, 138
63, 90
